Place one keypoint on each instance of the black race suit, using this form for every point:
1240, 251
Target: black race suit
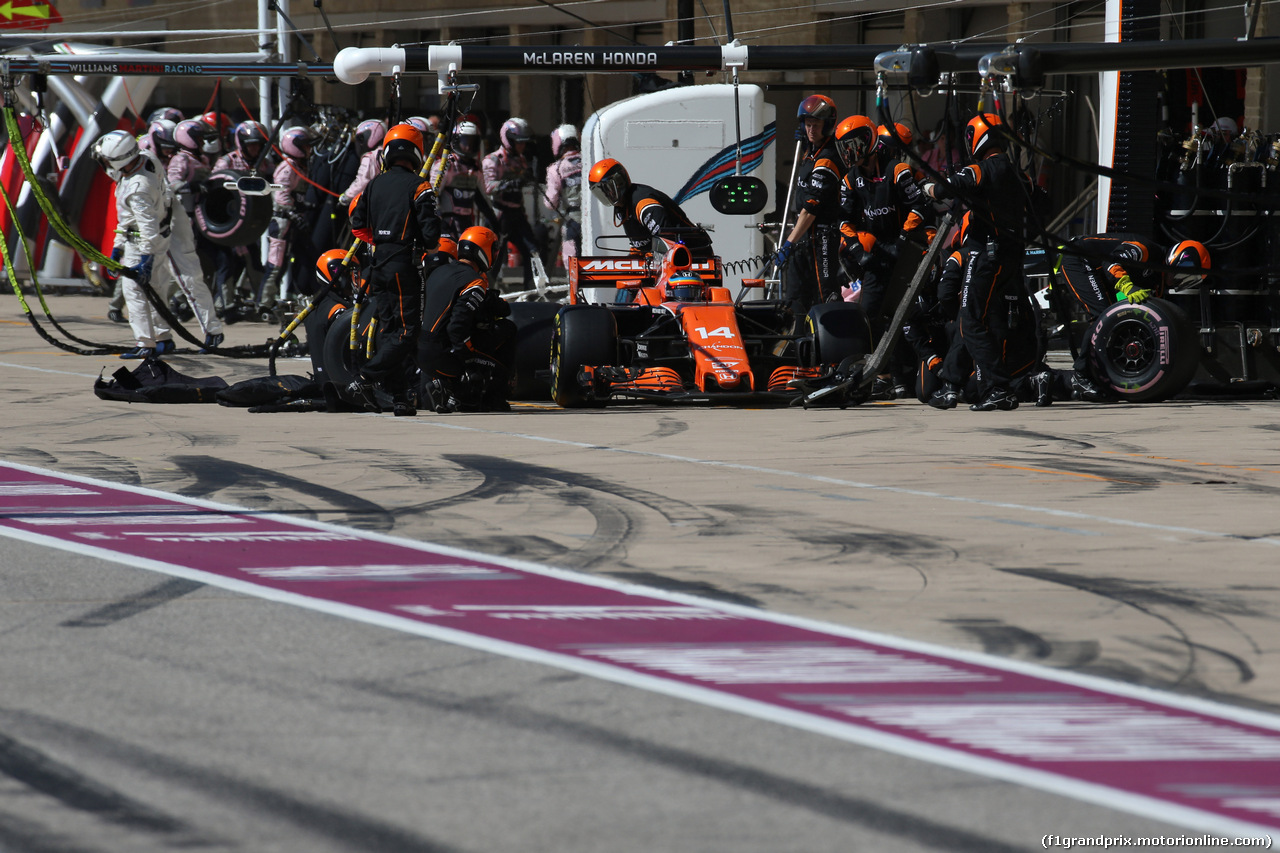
878, 211
993, 250
815, 273
397, 214
465, 331
1090, 269
650, 213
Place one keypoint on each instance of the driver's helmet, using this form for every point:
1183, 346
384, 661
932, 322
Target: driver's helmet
685, 287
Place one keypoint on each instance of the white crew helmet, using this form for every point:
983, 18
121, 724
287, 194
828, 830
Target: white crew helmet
114, 151
562, 134
466, 138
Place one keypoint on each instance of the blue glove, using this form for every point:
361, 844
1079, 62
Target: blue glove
116, 254
784, 255
143, 269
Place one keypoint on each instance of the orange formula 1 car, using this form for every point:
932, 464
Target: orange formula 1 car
679, 336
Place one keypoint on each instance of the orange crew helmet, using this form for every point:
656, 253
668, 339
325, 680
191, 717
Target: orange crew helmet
610, 182
855, 139
448, 245
479, 246
329, 264
1190, 260
402, 142
979, 136
900, 131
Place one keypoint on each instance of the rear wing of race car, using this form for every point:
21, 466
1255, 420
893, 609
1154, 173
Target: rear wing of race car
596, 279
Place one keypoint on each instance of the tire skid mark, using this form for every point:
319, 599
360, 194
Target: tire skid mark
1136, 474
1031, 435
1246, 672
86, 463
667, 427
41, 773
327, 820
17, 834
864, 543
700, 588
672, 509
613, 506
212, 475
117, 611
1017, 643
608, 504
1150, 600
746, 778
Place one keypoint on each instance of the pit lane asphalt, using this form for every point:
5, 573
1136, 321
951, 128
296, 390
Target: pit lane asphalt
140, 712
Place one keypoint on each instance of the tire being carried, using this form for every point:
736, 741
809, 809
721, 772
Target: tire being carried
585, 335
230, 218
840, 331
1144, 353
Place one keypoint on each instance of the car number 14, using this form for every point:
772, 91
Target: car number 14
722, 332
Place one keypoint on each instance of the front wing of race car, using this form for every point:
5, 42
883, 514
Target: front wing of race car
718, 353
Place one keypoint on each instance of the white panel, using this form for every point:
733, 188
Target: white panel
676, 134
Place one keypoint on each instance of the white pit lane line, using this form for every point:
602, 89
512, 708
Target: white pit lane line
1240, 745
47, 370
854, 484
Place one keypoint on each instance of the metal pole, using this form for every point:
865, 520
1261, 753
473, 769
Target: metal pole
285, 47
68, 35
266, 115
684, 34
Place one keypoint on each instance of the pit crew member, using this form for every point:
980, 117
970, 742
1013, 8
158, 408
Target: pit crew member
396, 214
467, 346
645, 213
817, 196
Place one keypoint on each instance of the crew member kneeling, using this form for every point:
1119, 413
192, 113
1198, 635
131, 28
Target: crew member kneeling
467, 345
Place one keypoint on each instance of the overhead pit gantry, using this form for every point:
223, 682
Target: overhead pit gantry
1023, 66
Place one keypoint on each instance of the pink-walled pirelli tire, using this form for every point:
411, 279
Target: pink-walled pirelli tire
1143, 353
229, 218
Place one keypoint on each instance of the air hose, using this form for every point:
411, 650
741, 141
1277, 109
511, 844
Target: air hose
88, 251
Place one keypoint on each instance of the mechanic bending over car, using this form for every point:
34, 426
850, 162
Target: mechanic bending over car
816, 275
645, 213
396, 214
1100, 270
467, 347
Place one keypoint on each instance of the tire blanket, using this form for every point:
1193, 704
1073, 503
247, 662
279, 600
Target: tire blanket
154, 381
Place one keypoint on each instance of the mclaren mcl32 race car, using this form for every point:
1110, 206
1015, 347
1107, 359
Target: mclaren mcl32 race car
677, 335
